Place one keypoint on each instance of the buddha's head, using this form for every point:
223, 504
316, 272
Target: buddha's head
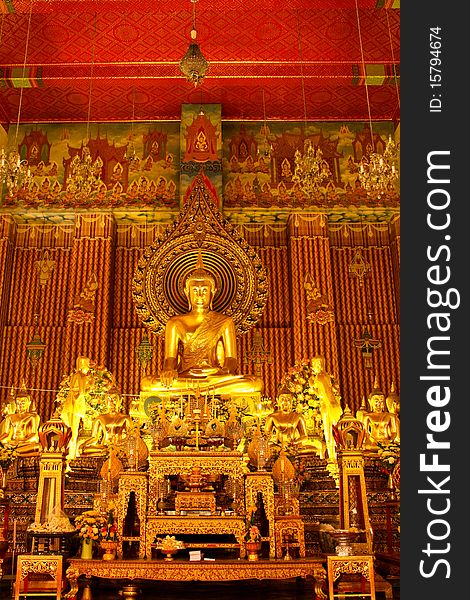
200, 286
377, 402
318, 364
284, 400
83, 364
113, 400
23, 402
376, 398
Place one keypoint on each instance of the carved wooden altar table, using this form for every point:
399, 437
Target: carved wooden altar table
223, 570
174, 525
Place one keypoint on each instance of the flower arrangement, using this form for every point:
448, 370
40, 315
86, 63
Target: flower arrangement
389, 454
7, 455
300, 380
253, 533
169, 542
109, 530
89, 525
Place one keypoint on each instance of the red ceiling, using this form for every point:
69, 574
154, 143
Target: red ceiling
254, 48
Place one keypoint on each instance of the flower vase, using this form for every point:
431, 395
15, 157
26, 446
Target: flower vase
87, 549
253, 549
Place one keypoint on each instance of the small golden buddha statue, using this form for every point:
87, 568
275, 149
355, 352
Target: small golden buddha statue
201, 346
287, 426
20, 428
393, 401
381, 426
75, 404
109, 428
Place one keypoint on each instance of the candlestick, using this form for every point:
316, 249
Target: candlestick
14, 533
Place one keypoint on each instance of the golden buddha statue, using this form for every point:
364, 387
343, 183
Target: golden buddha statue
393, 401
201, 346
287, 426
75, 404
20, 428
108, 428
381, 426
330, 405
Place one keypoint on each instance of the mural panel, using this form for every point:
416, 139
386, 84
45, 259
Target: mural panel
259, 164
129, 165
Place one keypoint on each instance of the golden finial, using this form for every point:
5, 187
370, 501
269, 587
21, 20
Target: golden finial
199, 264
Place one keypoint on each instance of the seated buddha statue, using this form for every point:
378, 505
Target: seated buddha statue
381, 426
20, 428
287, 426
108, 428
200, 346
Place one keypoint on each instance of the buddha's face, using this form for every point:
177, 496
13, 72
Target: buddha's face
114, 403
22, 404
200, 292
284, 403
377, 403
83, 364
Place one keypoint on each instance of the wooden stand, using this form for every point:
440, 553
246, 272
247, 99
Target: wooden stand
49, 566
351, 565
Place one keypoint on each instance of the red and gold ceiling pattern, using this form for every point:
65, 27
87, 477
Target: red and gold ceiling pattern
252, 48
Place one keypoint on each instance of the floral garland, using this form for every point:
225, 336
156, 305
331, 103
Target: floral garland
103, 381
89, 525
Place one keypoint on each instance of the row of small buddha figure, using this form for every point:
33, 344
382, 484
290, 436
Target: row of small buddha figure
20, 427
285, 426
382, 426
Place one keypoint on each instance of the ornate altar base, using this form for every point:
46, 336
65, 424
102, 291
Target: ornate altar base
222, 570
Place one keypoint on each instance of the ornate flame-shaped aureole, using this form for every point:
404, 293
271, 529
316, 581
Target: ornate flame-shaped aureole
241, 279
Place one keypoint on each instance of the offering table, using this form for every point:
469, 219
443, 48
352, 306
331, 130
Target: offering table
223, 570
174, 525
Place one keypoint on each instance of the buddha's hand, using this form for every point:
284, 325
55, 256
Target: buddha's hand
167, 377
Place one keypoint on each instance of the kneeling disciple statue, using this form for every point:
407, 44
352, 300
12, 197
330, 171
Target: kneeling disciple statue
20, 428
200, 346
288, 426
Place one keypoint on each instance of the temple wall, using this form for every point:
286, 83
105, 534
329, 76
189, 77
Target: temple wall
110, 249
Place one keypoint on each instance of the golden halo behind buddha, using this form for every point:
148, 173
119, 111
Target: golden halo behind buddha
159, 278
